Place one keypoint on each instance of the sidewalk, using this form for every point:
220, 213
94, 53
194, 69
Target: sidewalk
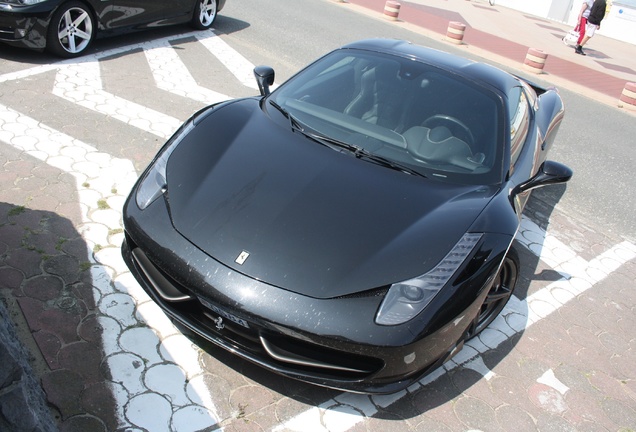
504, 35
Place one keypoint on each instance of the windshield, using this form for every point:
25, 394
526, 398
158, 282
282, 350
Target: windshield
429, 120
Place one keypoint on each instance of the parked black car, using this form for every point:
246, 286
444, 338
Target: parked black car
354, 227
67, 27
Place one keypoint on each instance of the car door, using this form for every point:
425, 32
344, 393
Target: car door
139, 13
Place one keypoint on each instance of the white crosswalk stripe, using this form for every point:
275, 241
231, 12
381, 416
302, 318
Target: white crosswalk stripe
172, 75
232, 60
81, 84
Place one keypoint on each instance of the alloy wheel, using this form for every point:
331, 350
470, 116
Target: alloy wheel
75, 30
500, 292
208, 12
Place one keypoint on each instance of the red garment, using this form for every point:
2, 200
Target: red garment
581, 28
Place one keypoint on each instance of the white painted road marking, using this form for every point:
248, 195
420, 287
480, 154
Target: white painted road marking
517, 316
172, 75
117, 295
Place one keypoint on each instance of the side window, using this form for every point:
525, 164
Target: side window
519, 120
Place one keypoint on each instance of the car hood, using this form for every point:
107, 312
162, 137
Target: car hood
304, 217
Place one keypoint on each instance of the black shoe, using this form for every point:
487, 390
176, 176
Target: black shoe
579, 50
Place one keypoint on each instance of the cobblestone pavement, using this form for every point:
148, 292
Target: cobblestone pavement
561, 357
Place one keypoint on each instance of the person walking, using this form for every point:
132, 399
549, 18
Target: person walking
595, 16
586, 7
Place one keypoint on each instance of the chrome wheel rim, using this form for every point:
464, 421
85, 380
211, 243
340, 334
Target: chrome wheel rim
75, 30
208, 12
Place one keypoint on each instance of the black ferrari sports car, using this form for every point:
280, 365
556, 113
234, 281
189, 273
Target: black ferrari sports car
353, 227
67, 27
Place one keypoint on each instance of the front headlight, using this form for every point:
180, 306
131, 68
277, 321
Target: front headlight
407, 299
154, 184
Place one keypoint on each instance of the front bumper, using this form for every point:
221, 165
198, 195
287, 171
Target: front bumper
333, 343
25, 26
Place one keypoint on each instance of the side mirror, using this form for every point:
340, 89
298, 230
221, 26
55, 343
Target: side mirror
264, 77
550, 173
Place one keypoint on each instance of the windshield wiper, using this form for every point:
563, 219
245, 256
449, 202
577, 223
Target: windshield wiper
360, 152
357, 151
387, 162
331, 142
293, 122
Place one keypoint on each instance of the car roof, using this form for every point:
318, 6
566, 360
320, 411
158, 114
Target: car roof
469, 69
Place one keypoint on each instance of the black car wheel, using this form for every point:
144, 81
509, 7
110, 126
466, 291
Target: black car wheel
502, 288
204, 14
71, 30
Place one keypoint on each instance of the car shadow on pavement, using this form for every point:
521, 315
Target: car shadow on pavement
223, 25
24, 56
45, 282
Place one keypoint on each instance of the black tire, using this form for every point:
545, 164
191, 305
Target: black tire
205, 12
498, 295
71, 30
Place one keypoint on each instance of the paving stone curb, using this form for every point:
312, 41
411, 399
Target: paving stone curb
22, 401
